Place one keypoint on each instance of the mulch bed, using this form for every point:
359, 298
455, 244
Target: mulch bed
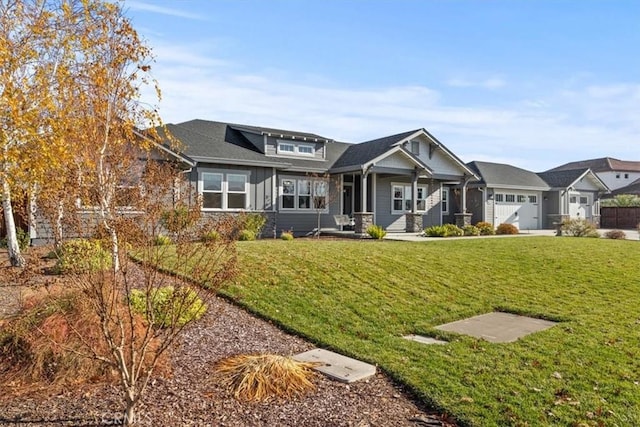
190, 396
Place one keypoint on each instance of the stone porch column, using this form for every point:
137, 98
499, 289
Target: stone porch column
362, 221
463, 219
414, 222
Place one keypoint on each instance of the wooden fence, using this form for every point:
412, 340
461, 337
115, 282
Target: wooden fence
622, 218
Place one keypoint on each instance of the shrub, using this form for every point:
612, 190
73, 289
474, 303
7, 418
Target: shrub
162, 240
253, 222
263, 376
246, 235
452, 230
178, 219
471, 230
82, 256
505, 228
23, 239
286, 235
615, 234
376, 231
435, 231
446, 230
168, 307
486, 229
579, 228
210, 236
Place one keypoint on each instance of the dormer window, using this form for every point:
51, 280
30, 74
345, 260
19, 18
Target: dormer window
286, 148
307, 150
296, 149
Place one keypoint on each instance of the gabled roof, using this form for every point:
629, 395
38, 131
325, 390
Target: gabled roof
360, 154
364, 154
507, 176
604, 164
217, 142
563, 179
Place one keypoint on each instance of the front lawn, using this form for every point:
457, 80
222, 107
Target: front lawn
361, 297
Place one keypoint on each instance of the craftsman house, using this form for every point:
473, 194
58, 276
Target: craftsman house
400, 182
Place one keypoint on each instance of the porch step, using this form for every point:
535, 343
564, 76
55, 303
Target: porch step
337, 366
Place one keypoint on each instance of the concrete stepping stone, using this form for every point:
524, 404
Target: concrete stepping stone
497, 327
424, 340
337, 366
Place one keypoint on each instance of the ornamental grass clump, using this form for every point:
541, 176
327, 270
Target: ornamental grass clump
286, 235
376, 232
265, 376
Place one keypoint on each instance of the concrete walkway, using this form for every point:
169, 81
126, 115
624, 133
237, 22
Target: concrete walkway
418, 237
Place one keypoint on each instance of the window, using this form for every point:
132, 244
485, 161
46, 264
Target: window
573, 199
510, 198
293, 149
499, 197
415, 147
522, 198
584, 200
286, 148
626, 176
224, 190
617, 176
304, 194
445, 200
307, 150
533, 199
401, 200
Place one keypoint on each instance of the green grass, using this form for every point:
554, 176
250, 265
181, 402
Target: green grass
360, 297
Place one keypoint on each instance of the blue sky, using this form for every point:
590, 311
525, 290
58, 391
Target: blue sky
531, 83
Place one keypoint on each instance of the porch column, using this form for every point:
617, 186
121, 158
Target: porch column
414, 192
364, 192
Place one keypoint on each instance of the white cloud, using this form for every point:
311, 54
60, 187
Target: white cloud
149, 7
534, 133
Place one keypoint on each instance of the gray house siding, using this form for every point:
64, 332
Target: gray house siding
304, 221
391, 221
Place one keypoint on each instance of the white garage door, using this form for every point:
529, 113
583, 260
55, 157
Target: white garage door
519, 209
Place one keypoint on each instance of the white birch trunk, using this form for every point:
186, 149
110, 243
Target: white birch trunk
15, 257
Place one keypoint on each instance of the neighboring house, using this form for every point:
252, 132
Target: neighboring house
631, 189
400, 182
613, 172
528, 200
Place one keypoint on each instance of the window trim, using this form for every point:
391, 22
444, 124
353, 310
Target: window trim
444, 200
224, 188
296, 146
312, 196
408, 187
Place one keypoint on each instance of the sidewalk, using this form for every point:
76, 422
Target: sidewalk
418, 237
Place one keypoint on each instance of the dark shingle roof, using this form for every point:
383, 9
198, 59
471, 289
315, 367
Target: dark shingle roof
604, 164
203, 139
562, 178
359, 154
498, 174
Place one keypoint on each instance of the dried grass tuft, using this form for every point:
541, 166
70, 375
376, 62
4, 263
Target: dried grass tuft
264, 376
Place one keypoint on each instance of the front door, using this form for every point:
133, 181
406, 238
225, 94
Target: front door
347, 199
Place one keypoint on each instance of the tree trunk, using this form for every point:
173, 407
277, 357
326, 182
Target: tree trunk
15, 257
